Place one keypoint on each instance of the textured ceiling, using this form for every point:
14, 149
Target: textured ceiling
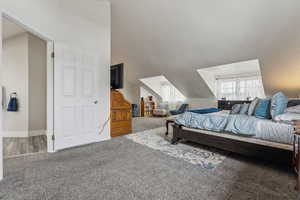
174, 38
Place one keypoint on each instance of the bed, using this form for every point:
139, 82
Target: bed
268, 140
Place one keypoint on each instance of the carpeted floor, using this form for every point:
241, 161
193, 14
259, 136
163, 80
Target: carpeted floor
146, 123
204, 157
122, 169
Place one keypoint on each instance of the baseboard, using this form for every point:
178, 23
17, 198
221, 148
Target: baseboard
37, 133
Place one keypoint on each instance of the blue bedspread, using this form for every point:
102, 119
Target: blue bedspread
238, 124
205, 111
242, 124
200, 121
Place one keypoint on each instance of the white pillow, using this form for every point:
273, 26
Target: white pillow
287, 117
293, 109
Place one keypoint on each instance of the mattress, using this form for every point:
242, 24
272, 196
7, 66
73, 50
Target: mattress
241, 125
275, 131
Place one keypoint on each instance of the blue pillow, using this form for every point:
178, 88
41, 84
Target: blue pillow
236, 109
262, 110
244, 109
278, 104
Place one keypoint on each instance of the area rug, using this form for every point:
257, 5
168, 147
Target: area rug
155, 139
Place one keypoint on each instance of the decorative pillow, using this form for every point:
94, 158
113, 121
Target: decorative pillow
236, 109
252, 106
244, 109
287, 117
294, 109
278, 104
262, 110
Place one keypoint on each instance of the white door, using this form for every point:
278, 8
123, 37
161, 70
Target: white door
76, 109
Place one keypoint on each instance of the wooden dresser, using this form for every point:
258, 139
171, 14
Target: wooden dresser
121, 115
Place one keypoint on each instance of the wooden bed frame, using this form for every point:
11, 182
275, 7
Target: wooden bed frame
270, 151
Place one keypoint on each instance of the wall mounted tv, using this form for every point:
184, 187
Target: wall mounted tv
117, 76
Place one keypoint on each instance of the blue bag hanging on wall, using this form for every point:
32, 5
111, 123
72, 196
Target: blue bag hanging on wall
13, 103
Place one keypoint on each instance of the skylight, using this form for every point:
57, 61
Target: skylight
164, 88
236, 81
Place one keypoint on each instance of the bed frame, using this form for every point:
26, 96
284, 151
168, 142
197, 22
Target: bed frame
270, 151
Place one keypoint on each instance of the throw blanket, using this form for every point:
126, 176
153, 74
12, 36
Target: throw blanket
205, 111
237, 124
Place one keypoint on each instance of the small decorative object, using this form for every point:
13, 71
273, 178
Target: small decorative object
151, 105
135, 110
248, 98
142, 107
223, 98
13, 103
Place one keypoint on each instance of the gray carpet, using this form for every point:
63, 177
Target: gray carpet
122, 169
146, 123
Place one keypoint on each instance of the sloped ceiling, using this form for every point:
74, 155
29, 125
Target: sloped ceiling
10, 29
174, 38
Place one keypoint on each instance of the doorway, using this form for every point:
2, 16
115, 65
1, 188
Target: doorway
24, 87
73, 96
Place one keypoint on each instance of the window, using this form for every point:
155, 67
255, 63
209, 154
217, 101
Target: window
234, 81
164, 88
240, 88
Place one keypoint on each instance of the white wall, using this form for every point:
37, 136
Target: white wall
131, 92
84, 24
37, 81
1, 132
14, 72
199, 103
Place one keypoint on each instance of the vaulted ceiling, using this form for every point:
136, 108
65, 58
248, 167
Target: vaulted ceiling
174, 38
11, 29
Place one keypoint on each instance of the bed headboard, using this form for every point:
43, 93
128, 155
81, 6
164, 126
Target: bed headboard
293, 102
227, 105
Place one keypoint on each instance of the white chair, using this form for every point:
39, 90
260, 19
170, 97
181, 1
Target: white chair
162, 110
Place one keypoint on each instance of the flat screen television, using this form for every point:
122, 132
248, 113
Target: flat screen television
116, 76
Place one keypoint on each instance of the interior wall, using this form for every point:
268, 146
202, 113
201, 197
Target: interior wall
145, 94
83, 24
1, 132
199, 103
131, 92
14, 70
24, 72
37, 80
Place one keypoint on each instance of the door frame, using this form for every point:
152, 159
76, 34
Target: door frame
50, 84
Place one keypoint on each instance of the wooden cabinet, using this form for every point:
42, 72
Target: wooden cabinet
121, 115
